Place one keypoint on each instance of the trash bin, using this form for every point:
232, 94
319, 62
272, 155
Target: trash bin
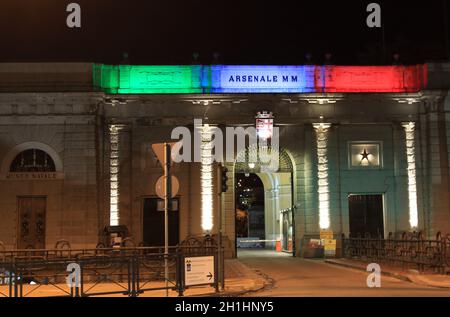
278, 245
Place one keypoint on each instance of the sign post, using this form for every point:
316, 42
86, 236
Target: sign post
167, 198
199, 270
163, 152
221, 179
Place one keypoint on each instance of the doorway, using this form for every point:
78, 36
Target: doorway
153, 222
250, 218
366, 215
32, 212
264, 205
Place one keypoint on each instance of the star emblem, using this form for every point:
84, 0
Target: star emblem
365, 155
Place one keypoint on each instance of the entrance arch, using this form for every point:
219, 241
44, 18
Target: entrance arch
278, 200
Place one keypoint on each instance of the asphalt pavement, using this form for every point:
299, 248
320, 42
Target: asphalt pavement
292, 277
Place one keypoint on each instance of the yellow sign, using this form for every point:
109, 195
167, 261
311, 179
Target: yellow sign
329, 247
326, 234
330, 244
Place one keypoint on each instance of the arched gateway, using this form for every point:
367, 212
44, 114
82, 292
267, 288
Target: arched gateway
264, 203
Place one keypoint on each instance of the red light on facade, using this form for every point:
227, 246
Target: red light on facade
388, 79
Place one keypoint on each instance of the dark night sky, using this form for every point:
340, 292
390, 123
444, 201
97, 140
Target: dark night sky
244, 32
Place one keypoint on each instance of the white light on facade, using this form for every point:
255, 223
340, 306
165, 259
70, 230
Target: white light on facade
412, 186
322, 174
114, 175
264, 125
207, 178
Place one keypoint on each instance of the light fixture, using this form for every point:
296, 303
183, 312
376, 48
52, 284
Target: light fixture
251, 165
264, 125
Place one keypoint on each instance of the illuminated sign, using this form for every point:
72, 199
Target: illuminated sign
271, 79
198, 79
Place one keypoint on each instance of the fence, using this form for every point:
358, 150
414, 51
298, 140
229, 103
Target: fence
410, 250
103, 271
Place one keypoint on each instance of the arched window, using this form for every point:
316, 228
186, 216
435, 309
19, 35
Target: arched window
32, 160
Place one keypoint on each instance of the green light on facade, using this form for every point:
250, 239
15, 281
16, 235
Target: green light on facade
130, 79
106, 78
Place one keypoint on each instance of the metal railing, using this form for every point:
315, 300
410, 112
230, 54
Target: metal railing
410, 250
103, 271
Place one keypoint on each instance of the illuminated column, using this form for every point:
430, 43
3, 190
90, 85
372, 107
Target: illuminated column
412, 186
114, 215
322, 174
207, 178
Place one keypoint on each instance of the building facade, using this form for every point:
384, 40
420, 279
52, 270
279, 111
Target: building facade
363, 150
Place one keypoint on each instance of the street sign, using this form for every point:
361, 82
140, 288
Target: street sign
328, 242
158, 148
330, 247
199, 270
326, 234
173, 205
160, 189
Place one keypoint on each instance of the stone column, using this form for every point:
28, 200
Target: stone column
114, 171
434, 145
322, 174
206, 176
412, 185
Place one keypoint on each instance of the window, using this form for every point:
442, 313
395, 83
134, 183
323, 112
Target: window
32, 160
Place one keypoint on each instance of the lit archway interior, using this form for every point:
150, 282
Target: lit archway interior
264, 204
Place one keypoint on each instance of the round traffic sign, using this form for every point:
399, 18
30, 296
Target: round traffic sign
160, 187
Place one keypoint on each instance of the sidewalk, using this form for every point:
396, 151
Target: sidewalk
239, 280
412, 276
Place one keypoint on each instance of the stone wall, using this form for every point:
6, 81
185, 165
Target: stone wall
67, 132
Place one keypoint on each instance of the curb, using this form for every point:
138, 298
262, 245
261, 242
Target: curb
231, 293
267, 283
356, 267
398, 276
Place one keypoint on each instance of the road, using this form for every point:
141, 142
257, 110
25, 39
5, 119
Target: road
305, 277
